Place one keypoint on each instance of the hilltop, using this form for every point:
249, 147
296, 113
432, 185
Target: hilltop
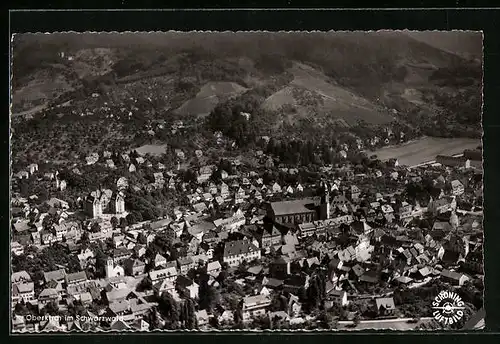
313, 81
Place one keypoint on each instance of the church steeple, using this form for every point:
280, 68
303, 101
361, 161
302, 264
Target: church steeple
325, 200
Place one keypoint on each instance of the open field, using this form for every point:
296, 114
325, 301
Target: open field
208, 98
331, 98
425, 149
151, 149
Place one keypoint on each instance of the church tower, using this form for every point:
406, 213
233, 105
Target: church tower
454, 221
324, 212
109, 268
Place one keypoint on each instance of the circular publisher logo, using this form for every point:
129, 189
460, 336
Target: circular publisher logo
448, 307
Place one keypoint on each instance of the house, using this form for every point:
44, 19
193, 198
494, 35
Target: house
110, 164
117, 203
49, 175
239, 195
32, 168
169, 273
58, 203
48, 295
255, 306
21, 226
224, 190
294, 307
187, 287
22, 175
213, 268
47, 237
207, 197
132, 168
62, 230
56, 275
370, 276
270, 237
23, 292
353, 193
441, 205
180, 154
226, 317
385, 305
276, 188
475, 157
134, 267
405, 210
202, 317
451, 161
185, 264
163, 285
120, 254
122, 183
387, 209
18, 323
160, 261
113, 270
338, 297
160, 225
20, 277
76, 278
16, 248
224, 175
280, 267
457, 188
230, 224
453, 277
200, 207
238, 251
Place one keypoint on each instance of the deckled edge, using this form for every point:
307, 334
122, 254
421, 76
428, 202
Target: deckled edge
482, 179
247, 31
11, 53
244, 331
364, 331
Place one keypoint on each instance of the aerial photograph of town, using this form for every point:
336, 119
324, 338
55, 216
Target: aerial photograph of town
218, 181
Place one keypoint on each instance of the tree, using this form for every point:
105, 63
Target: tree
188, 314
123, 223
279, 302
77, 308
152, 319
169, 308
326, 320
114, 222
51, 308
21, 308
207, 293
141, 239
356, 320
131, 218
95, 228
238, 316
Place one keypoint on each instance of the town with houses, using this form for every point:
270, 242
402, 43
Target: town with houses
338, 250
250, 181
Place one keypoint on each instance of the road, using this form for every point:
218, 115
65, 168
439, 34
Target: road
467, 212
410, 286
390, 324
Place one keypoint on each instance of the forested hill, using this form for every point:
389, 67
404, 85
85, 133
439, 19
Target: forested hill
292, 82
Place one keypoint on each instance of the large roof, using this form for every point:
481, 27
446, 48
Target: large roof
238, 247
292, 207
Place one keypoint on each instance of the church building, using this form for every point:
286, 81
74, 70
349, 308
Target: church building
301, 210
